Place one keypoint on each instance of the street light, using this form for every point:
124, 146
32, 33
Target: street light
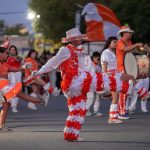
32, 15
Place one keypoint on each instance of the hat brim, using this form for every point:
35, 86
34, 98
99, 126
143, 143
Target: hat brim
125, 30
75, 38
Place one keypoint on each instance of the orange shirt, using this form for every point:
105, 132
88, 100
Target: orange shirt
120, 53
3, 69
34, 64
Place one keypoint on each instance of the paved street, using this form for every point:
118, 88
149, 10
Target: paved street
42, 130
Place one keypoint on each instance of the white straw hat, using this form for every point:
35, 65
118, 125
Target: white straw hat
73, 35
125, 29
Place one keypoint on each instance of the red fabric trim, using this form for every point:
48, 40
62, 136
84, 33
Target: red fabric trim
99, 86
113, 112
143, 95
70, 136
125, 87
113, 83
74, 124
75, 100
140, 91
79, 112
86, 83
50, 90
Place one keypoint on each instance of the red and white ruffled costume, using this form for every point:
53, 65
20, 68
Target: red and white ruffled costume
77, 82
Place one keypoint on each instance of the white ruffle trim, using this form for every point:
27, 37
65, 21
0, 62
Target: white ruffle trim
94, 82
106, 82
7, 88
71, 130
138, 86
76, 119
81, 105
118, 82
75, 88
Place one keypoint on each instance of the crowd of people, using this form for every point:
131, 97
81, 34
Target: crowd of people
82, 84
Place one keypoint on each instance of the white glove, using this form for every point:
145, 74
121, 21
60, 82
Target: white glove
56, 92
27, 65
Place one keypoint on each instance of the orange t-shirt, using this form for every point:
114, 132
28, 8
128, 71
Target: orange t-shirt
33, 62
120, 53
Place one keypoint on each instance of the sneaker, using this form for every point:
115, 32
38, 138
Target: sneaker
32, 106
144, 110
88, 113
44, 98
5, 130
114, 120
98, 114
14, 110
124, 116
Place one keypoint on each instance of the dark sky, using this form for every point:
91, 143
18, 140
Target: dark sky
14, 11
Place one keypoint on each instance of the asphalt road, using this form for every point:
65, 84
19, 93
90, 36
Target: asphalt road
42, 130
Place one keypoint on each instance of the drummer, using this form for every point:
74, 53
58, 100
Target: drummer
124, 45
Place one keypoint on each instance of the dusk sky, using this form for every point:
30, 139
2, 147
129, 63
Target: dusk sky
14, 11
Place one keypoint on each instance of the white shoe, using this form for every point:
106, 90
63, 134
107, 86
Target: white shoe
45, 98
114, 121
32, 106
144, 110
88, 113
14, 110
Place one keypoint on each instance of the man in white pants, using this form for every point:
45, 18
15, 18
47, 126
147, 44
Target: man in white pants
131, 103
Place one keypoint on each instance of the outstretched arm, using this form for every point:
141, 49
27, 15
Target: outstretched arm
53, 63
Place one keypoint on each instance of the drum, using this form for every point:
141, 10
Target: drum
137, 65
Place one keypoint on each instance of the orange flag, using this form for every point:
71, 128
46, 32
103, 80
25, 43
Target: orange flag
101, 22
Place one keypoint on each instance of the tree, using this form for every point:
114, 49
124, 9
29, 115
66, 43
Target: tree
136, 13
14, 30
2, 27
56, 16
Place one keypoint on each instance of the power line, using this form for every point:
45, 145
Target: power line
12, 13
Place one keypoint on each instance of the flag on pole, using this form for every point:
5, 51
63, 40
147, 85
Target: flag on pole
101, 22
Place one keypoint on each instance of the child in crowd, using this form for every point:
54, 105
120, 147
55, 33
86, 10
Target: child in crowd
93, 66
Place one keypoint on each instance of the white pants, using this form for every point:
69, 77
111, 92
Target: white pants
134, 96
14, 77
93, 97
